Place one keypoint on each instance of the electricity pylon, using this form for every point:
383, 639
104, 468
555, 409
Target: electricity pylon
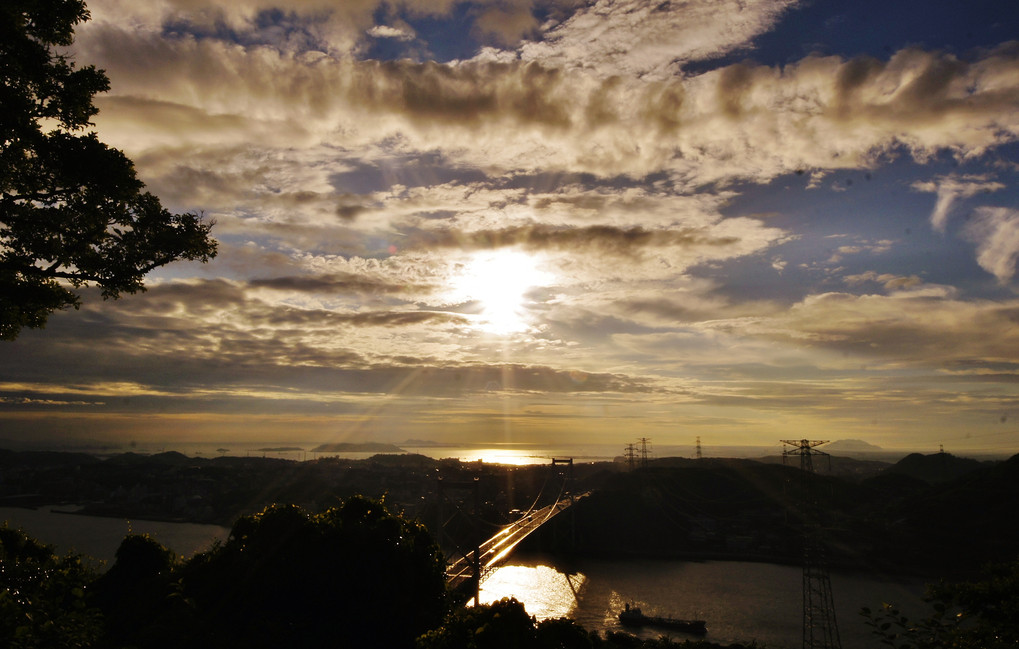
820, 629
644, 441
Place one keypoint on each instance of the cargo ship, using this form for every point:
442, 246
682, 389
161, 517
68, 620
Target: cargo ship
634, 617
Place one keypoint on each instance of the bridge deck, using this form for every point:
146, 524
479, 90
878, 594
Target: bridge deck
495, 550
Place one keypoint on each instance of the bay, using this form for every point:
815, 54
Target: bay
740, 601
98, 537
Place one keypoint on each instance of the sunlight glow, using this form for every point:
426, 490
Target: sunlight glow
503, 456
546, 592
499, 281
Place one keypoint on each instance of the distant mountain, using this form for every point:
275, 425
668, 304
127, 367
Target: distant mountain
851, 446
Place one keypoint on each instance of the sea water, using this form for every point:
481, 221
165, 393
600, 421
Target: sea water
98, 537
739, 601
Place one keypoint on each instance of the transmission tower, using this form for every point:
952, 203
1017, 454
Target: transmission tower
631, 456
820, 629
699, 456
644, 442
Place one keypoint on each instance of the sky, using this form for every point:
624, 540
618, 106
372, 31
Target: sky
554, 221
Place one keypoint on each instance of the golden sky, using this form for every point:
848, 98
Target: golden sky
554, 221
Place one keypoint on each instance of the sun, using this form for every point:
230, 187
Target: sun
499, 282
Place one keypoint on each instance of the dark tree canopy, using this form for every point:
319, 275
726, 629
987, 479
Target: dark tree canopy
352, 576
43, 601
72, 211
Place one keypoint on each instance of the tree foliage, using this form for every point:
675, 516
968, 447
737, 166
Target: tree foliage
43, 597
504, 624
140, 597
981, 614
72, 211
354, 575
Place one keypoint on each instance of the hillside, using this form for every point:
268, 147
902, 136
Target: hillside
935, 468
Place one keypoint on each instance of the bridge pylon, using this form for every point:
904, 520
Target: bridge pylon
562, 469
472, 553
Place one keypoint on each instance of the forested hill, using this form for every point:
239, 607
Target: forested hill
932, 514
747, 509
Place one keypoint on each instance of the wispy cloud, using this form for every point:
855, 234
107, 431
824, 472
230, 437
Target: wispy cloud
951, 188
995, 230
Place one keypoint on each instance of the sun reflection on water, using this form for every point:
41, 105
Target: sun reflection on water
549, 593
501, 456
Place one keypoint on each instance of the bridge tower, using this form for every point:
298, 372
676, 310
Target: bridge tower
820, 629
562, 473
562, 470
472, 551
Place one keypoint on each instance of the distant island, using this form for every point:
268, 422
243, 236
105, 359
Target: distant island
357, 447
280, 449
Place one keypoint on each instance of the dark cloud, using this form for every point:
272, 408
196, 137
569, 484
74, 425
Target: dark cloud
337, 283
601, 238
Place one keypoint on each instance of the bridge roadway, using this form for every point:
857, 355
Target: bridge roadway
496, 549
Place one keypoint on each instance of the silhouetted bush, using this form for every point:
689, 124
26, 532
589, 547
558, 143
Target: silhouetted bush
140, 599
504, 625
43, 600
981, 614
352, 576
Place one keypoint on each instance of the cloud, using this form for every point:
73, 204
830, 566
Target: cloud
385, 31
890, 281
351, 194
635, 38
922, 327
299, 25
995, 230
508, 21
598, 239
336, 283
739, 122
949, 189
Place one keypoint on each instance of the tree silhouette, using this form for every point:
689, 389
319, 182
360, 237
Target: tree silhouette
355, 575
43, 599
504, 624
979, 614
138, 597
72, 211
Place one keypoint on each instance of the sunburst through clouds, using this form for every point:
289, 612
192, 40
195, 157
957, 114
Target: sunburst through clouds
499, 283
740, 220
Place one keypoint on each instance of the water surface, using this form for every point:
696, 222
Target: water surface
98, 537
740, 601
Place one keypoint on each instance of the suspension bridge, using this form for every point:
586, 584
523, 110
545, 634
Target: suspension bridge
475, 564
